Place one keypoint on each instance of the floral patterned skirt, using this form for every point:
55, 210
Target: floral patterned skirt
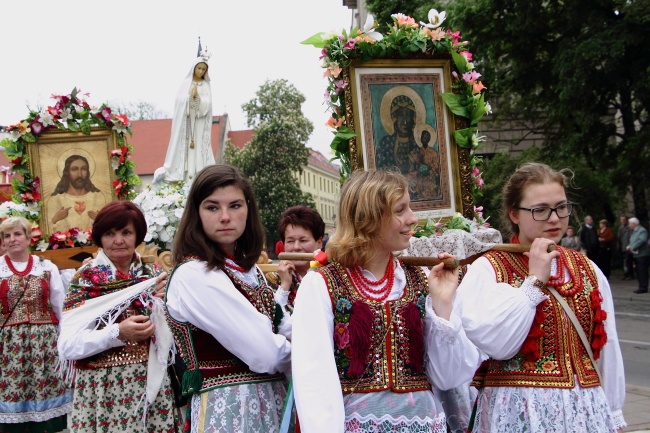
106, 399
30, 388
249, 408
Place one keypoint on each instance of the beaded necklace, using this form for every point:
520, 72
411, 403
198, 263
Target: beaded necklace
371, 289
568, 288
28, 269
232, 264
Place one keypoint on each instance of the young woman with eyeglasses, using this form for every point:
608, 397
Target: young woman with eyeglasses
540, 376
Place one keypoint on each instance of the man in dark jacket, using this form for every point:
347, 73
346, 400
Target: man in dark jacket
622, 241
589, 239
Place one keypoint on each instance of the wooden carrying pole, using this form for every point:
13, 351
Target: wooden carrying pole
450, 263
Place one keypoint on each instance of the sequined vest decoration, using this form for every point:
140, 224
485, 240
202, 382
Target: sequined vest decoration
209, 364
388, 365
562, 354
133, 352
29, 297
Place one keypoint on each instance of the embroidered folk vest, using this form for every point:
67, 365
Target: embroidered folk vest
562, 355
29, 297
209, 364
391, 332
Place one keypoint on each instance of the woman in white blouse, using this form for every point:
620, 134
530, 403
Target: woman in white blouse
223, 313
540, 376
371, 334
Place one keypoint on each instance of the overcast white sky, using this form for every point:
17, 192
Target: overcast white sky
140, 50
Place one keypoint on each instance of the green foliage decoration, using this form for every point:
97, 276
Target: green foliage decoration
73, 113
404, 38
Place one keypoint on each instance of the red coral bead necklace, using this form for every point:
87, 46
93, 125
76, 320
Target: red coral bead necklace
28, 269
232, 264
374, 290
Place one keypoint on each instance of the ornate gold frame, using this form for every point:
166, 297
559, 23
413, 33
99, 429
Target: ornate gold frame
455, 193
53, 147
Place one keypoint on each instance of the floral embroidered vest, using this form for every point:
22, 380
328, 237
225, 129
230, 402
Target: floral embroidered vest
562, 355
29, 298
209, 364
378, 346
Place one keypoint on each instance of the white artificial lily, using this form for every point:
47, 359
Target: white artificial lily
369, 30
435, 19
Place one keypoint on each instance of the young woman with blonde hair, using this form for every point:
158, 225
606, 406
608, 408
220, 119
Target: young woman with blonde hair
371, 334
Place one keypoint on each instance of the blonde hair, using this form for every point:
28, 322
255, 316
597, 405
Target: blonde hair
12, 222
365, 207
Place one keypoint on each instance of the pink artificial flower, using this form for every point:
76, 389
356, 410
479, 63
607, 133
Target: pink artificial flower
123, 119
340, 85
323, 54
106, 113
477, 87
350, 44
454, 74
455, 36
334, 123
332, 71
405, 20
437, 34
467, 55
471, 77
476, 172
36, 127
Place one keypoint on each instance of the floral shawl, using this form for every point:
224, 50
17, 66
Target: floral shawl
99, 293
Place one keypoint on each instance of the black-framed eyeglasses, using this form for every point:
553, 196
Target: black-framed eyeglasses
543, 213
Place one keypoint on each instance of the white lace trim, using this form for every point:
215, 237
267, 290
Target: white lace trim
114, 331
370, 423
618, 420
533, 293
14, 418
460, 243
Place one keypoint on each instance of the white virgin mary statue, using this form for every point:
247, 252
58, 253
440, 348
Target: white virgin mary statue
190, 144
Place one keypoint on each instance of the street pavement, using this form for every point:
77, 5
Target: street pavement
637, 398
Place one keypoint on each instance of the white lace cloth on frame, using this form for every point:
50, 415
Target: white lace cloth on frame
460, 243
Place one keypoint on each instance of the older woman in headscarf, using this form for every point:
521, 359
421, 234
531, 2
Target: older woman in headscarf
114, 339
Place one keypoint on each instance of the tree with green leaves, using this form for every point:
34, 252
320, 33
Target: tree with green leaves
573, 71
277, 153
577, 71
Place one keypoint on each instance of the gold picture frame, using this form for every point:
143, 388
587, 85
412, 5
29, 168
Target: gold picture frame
438, 170
59, 152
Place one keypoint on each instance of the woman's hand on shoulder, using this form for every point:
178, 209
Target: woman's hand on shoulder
135, 328
442, 287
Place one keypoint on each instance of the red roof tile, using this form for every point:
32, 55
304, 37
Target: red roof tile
241, 138
150, 140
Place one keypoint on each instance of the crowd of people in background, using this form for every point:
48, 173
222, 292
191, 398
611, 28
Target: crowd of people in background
361, 339
627, 249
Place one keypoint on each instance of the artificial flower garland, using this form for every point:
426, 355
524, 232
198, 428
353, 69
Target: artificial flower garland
72, 113
405, 38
